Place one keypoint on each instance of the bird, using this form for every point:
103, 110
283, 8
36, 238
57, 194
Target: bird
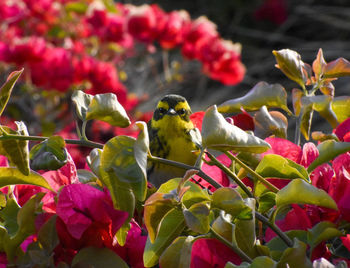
172, 136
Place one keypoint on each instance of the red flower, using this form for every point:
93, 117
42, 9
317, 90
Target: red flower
176, 27
209, 252
343, 130
284, 148
272, 10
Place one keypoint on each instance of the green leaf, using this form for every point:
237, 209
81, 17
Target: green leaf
290, 63
258, 262
300, 192
270, 123
197, 217
98, 258
178, 254
337, 68
94, 161
245, 231
12, 176
295, 256
155, 208
15, 150
231, 202
328, 150
305, 121
47, 235
266, 202
9, 216
219, 134
322, 231
340, 106
223, 227
276, 166
50, 154
319, 64
270, 95
86, 176
82, 102
78, 7
106, 107
141, 148
6, 89
171, 227
123, 172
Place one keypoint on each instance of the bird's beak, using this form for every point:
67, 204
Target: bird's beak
171, 111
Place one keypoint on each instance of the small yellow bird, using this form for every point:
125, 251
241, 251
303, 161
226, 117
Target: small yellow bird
172, 136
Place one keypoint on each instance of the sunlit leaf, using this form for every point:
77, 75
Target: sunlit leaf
224, 227
47, 235
297, 94
8, 215
270, 123
328, 150
270, 95
276, 166
106, 107
16, 151
82, 102
319, 64
340, 106
141, 148
78, 7
6, 89
305, 121
300, 192
261, 261
219, 134
197, 217
94, 161
266, 202
322, 231
231, 202
178, 254
295, 256
12, 176
320, 136
327, 88
50, 154
337, 68
98, 258
171, 227
290, 63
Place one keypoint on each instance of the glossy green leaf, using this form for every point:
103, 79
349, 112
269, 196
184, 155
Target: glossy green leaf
337, 68
319, 64
50, 154
171, 227
305, 121
118, 161
6, 89
322, 231
178, 254
197, 217
328, 150
245, 231
106, 107
155, 208
16, 151
258, 262
141, 148
86, 176
266, 202
270, 123
98, 258
340, 106
219, 134
300, 192
276, 166
12, 176
9, 216
321, 104
270, 95
290, 63
82, 102
223, 227
320, 136
277, 246
231, 202
47, 235
295, 256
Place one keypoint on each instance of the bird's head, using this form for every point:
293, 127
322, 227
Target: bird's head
172, 108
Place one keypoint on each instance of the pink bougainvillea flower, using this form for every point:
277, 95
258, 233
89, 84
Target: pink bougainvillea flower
176, 26
296, 219
309, 154
272, 10
346, 241
244, 121
342, 131
284, 148
197, 119
209, 252
86, 210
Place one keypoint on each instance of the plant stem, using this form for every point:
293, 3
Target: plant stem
230, 174
269, 185
236, 249
167, 74
297, 130
85, 143
187, 167
275, 228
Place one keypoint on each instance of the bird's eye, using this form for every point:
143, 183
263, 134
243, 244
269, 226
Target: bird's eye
181, 111
162, 110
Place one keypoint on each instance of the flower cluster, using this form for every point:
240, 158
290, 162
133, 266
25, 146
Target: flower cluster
64, 44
